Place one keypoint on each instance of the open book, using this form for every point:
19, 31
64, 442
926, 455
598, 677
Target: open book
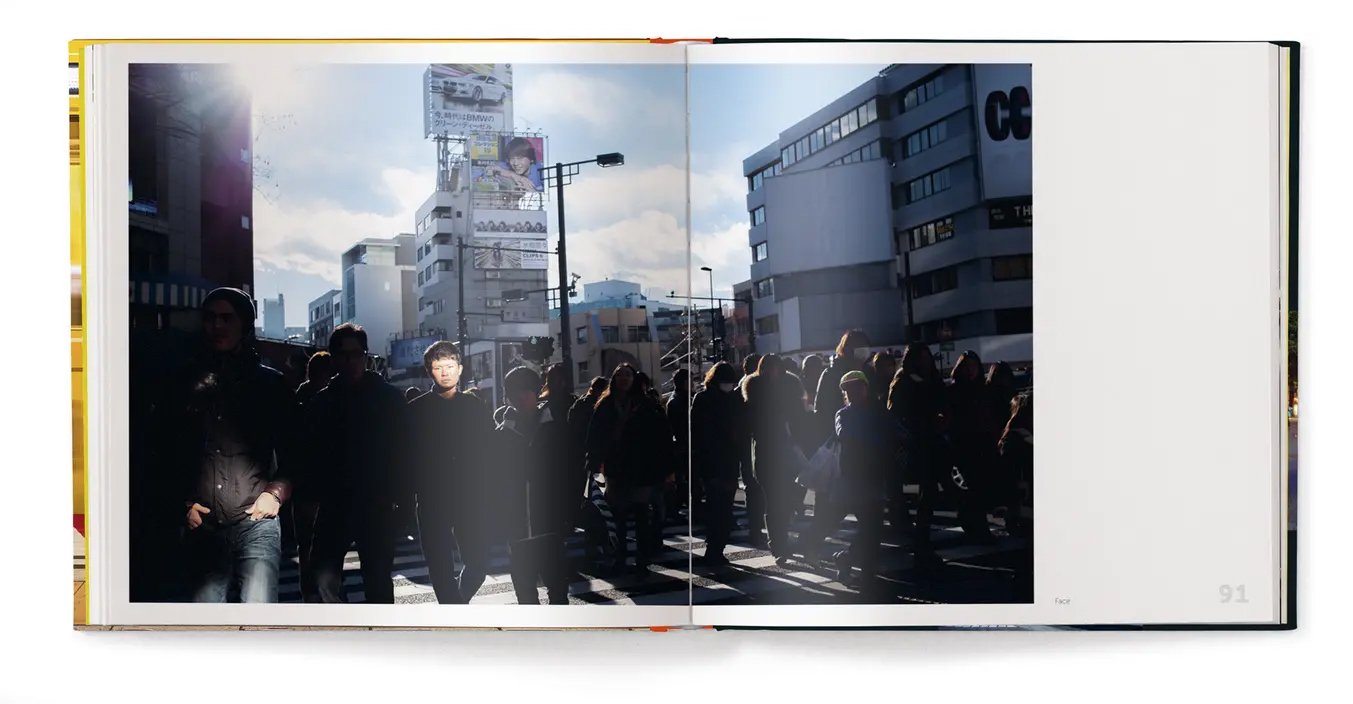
664, 334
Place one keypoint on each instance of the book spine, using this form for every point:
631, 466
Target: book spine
79, 429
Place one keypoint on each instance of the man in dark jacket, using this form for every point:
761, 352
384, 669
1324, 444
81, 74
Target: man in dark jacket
226, 436
446, 430
304, 505
677, 407
717, 439
532, 510
357, 469
599, 540
755, 498
869, 438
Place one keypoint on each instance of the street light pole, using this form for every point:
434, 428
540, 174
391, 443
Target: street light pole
460, 311
565, 328
713, 346
565, 341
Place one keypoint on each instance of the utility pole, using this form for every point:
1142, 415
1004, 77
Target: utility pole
460, 311
565, 328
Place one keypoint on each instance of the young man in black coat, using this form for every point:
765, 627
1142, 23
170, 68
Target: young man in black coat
445, 434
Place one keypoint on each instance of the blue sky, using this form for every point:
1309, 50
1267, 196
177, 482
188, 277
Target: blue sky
345, 159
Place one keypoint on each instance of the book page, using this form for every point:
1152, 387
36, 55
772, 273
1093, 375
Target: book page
349, 345
881, 263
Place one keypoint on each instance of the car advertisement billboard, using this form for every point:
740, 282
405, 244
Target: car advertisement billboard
509, 223
513, 165
1004, 99
460, 99
509, 254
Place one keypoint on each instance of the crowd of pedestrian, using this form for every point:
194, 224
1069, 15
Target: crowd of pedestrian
346, 453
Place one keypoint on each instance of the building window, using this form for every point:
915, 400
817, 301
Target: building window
445, 264
582, 335
932, 282
931, 232
768, 325
765, 289
1011, 268
923, 139
638, 333
921, 93
824, 136
873, 150
759, 252
759, 216
493, 303
928, 185
420, 278
582, 370
610, 333
1014, 321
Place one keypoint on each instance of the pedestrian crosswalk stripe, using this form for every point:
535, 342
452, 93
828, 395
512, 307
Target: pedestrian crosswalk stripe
752, 575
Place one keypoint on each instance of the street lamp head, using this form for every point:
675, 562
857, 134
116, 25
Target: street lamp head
705, 268
611, 159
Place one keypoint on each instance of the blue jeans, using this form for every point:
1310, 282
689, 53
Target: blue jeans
245, 556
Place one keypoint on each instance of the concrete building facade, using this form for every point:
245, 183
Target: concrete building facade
903, 208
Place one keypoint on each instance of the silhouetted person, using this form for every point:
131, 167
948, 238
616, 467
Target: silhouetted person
880, 371
305, 501
357, 465
1001, 389
1016, 449
852, 355
773, 411
968, 420
718, 436
553, 477
755, 498
590, 518
677, 408
318, 370
869, 440
629, 444
916, 400
813, 365
226, 430
525, 510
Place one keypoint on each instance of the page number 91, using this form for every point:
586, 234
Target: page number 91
1230, 594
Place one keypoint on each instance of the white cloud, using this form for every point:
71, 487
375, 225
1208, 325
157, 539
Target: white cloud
725, 251
650, 249
607, 195
717, 181
310, 237
546, 96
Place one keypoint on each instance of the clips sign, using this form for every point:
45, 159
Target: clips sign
1005, 99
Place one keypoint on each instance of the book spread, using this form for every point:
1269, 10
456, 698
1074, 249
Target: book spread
646, 334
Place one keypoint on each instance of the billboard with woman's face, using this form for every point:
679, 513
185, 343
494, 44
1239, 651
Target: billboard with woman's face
513, 166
